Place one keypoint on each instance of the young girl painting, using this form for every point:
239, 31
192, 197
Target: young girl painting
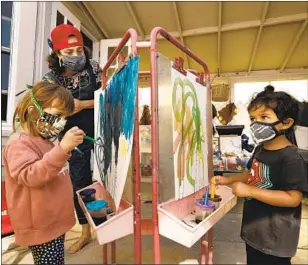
38, 187
274, 183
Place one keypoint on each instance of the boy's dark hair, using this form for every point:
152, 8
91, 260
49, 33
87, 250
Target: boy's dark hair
53, 61
284, 105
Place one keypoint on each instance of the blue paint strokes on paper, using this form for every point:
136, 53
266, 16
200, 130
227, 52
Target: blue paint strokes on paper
116, 115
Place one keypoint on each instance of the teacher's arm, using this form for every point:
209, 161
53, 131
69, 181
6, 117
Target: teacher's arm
88, 104
83, 104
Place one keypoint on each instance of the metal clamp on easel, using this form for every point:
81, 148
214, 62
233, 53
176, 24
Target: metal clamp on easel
179, 65
200, 76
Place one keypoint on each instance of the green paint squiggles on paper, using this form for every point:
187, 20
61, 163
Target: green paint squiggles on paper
188, 124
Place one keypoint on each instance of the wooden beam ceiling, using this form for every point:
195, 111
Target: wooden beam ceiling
240, 25
179, 27
293, 45
89, 9
135, 19
256, 46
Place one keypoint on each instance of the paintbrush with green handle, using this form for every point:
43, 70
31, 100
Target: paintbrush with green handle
86, 137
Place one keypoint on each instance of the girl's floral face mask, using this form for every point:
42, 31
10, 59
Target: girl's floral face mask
48, 125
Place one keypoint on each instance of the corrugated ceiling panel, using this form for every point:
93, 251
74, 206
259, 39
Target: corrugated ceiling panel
168, 50
278, 9
233, 12
114, 16
300, 56
71, 6
237, 47
206, 48
164, 47
154, 14
274, 44
198, 14
144, 59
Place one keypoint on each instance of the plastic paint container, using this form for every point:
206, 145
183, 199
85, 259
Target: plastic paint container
202, 210
98, 211
97, 205
98, 221
88, 195
216, 200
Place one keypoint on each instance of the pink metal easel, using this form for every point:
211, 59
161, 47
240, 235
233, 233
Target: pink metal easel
152, 226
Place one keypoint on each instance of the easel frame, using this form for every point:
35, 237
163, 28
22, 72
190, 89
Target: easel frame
203, 78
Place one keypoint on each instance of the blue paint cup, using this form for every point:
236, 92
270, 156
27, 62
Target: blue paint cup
98, 211
88, 195
96, 205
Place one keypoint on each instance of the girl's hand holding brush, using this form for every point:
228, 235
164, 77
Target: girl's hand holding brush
72, 139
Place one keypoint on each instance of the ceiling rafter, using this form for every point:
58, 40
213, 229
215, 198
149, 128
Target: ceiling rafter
219, 36
240, 25
178, 23
88, 10
91, 19
293, 45
135, 19
257, 42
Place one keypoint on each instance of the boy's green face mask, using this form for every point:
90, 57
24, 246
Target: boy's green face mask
48, 125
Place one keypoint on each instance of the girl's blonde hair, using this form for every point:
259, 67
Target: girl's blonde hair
48, 95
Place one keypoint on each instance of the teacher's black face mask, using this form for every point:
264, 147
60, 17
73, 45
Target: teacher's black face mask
74, 63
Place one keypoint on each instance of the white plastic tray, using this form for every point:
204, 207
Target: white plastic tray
118, 226
171, 214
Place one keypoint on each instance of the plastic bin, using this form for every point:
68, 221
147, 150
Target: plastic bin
118, 225
172, 213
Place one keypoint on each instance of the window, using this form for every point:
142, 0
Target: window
6, 22
296, 88
243, 92
61, 15
87, 41
60, 18
144, 96
106, 49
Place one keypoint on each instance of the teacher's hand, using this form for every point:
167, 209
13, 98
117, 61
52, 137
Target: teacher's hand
78, 106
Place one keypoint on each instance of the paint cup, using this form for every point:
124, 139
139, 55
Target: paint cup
98, 211
88, 195
101, 216
216, 200
202, 210
99, 221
